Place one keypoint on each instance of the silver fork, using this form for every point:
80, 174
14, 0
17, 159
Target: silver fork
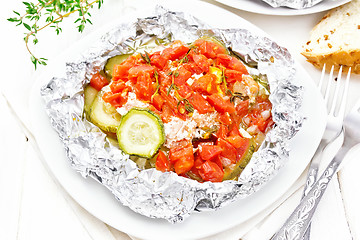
333, 126
332, 131
300, 219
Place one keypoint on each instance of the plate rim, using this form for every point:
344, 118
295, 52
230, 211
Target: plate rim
284, 11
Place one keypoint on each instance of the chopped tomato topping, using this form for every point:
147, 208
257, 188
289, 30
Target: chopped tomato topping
233, 75
200, 103
205, 84
220, 104
143, 86
178, 83
181, 76
209, 48
228, 150
162, 162
209, 152
182, 157
202, 62
210, 171
231, 62
97, 81
137, 71
222, 131
158, 101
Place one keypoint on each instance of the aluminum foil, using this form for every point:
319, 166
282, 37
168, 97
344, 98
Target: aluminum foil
296, 4
151, 192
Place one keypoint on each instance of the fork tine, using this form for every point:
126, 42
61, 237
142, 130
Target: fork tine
344, 97
328, 86
322, 78
335, 98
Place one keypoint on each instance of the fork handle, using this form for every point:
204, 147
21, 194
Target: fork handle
296, 225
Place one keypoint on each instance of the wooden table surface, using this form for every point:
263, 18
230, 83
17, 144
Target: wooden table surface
33, 205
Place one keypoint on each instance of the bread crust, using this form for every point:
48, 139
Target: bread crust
345, 58
343, 55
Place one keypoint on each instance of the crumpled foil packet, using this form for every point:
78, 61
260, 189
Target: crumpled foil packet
151, 192
296, 4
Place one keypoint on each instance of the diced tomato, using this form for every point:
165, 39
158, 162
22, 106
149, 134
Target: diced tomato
143, 87
157, 60
184, 165
192, 67
179, 52
171, 101
167, 113
158, 101
136, 71
162, 162
236, 140
109, 96
164, 80
217, 160
225, 162
200, 103
261, 123
220, 104
234, 130
236, 64
225, 118
120, 72
182, 157
209, 49
97, 81
231, 62
181, 76
228, 150
233, 75
242, 108
209, 152
210, 171
202, 62
115, 99
184, 91
205, 84
222, 131
117, 86
198, 161
243, 147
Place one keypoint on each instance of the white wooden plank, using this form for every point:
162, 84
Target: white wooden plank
349, 179
329, 220
44, 212
12, 157
46, 202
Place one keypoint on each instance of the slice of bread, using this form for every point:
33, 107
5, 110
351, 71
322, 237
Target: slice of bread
335, 40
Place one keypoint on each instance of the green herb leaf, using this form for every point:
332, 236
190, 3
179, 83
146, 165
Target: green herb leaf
50, 13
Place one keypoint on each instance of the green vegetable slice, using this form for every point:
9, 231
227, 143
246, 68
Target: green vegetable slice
89, 97
141, 133
111, 62
233, 174
104, 115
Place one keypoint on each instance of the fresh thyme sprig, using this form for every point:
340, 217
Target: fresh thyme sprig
146, 58
188, 106
50, 13
156, 75
234, 95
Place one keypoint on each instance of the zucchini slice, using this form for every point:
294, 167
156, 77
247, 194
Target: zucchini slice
89, 97
141, 133
111, 62
104, 115
233, 173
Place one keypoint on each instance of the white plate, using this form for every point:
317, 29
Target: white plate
258, 6
101, 203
